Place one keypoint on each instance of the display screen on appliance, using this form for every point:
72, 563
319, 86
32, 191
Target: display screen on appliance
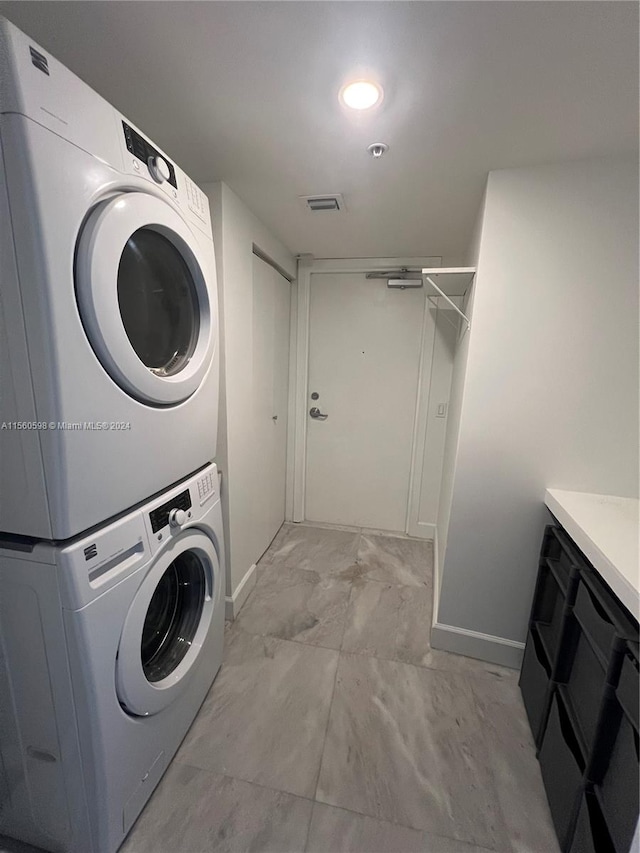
160, 517
141, 149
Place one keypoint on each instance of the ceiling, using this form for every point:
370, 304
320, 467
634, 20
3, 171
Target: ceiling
246, 92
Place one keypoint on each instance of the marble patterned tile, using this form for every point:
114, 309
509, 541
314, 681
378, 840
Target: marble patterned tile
394, 622
327, 551
403, 745
515, 769
335, 830
195, 811
276, 543
372, 619
339, 831
265, 717
396, 560
389, 621
294, 604
413, 632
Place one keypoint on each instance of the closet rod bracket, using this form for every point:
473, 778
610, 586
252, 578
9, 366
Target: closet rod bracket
448, 271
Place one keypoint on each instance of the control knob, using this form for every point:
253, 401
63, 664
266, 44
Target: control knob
177, 517
159, 169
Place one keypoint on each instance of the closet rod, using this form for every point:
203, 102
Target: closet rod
448, 271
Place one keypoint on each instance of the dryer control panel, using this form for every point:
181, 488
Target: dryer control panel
144, 160
144, 151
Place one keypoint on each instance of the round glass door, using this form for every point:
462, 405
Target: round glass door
158, 302
173, 616
142, 283
168, 623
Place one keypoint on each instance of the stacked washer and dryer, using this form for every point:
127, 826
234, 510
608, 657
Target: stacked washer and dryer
111, 544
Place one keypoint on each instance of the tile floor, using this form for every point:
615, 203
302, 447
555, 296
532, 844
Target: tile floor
334, 727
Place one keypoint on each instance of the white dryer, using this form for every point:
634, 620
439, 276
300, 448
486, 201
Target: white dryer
108, 306
108, 647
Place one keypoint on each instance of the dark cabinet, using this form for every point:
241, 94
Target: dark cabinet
590, 834
562, 764
580, 686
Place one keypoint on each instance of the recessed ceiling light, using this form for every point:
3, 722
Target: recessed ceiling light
361, 95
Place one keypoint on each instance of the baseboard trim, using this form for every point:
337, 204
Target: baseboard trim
473, 644
233, 603
436, 579
422, 530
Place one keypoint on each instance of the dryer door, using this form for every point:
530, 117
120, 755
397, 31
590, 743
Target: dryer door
167, 625
142, 290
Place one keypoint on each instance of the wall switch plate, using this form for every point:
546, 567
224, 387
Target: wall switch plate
442, 410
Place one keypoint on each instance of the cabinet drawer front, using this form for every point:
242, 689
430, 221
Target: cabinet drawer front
548, 612
562, 767
558, 550
619, 790
585, 688
591, 834
628, 689
600, 614
594, 620
534, 683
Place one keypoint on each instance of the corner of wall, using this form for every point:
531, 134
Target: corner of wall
456, 400
238, 234
234, 601
576, 223
214, 192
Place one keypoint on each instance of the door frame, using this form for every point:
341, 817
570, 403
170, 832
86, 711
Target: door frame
286, 277
299, 388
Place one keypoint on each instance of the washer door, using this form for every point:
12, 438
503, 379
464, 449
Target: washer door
141, 287
167, 624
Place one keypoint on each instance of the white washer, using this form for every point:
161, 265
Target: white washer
108, 647
108, 306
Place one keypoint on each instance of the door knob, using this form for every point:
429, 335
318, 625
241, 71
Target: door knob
317, 415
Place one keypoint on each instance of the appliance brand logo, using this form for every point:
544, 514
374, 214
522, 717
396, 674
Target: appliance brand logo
91, 551
39, 60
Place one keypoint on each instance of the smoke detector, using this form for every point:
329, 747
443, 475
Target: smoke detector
328, 203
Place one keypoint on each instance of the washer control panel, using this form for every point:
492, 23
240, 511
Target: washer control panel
185, 506
206, 487
168, 513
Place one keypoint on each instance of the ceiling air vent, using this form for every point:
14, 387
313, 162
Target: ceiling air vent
333, 203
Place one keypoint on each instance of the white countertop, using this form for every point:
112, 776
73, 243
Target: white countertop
606, 528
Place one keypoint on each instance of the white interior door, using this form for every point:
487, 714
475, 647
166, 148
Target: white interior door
271, 305
364, 358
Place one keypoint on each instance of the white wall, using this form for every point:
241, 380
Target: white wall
454, 412
439, 389
550, 395
236, 231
